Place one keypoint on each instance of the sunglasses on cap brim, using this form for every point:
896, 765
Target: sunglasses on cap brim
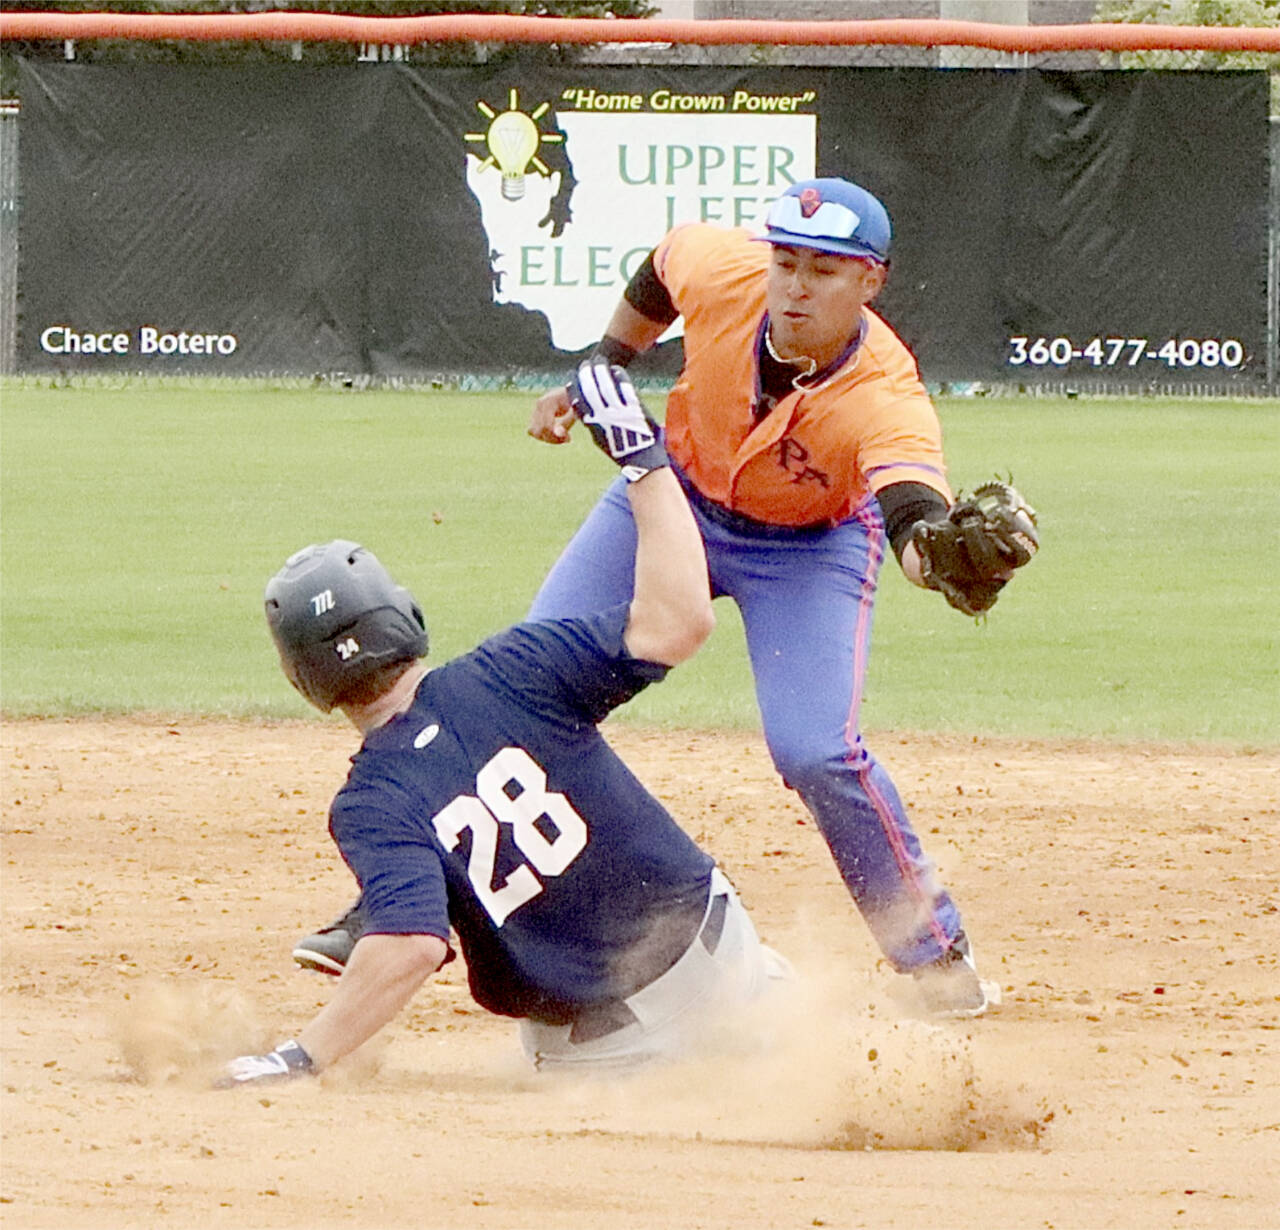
830, 220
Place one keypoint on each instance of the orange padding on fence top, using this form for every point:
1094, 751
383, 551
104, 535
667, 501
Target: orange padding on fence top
503, 27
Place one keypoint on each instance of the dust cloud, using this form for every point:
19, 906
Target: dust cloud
819, 1066
171, 1033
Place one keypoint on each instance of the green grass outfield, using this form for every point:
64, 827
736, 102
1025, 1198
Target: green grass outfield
139, 524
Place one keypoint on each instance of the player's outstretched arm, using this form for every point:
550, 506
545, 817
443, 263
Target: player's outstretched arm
384, 973
670, 613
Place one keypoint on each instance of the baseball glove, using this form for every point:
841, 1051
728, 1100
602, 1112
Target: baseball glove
971, 555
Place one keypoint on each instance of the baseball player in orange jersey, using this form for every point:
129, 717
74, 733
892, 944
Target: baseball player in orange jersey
807, 445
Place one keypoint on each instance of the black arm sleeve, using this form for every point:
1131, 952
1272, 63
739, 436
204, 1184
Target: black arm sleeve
646, 293
903, 504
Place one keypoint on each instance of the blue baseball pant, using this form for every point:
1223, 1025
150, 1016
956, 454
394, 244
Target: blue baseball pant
806, 598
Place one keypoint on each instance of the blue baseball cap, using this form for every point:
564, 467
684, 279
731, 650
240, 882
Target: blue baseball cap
830, 215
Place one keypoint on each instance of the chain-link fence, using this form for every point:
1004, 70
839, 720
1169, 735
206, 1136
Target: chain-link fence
883, 56
8, 236
1273, 265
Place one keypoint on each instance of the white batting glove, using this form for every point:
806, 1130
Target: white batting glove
604, 398
286, 1062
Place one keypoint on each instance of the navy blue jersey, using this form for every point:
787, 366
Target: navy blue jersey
494, 807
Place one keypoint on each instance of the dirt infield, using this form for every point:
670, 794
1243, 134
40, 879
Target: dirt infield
1128, 899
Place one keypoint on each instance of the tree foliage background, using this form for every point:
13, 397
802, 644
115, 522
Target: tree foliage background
1161, 12
255, 52
1257, 13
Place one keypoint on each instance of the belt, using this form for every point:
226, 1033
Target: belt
740, 523
601, 1020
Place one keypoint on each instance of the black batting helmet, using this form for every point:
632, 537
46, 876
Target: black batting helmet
336, 615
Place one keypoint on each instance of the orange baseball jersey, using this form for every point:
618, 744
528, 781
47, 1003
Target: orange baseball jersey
815, 456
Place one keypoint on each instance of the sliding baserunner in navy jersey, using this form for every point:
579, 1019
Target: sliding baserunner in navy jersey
484, 803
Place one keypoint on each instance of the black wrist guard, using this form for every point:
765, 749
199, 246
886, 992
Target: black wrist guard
614, 352
295, 1058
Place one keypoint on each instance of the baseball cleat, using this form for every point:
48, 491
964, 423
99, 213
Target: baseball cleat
950, 988
328, 950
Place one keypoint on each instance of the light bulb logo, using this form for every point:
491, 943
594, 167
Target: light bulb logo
513, 142
513, 139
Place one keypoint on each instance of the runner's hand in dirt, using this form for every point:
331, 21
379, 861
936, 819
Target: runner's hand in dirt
286, 1062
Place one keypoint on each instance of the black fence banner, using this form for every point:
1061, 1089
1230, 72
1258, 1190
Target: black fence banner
390, 220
